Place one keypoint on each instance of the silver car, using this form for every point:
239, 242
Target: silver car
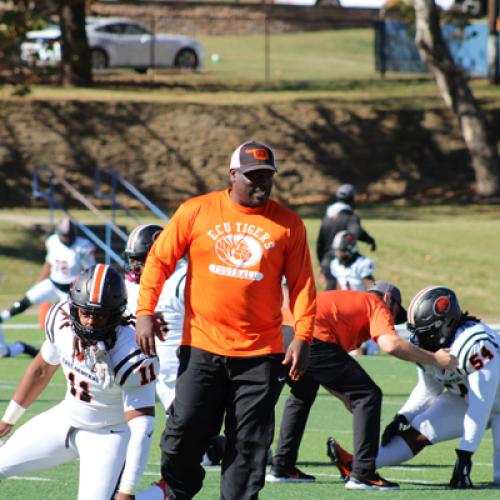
118, 42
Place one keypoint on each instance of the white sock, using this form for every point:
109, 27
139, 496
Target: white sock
5, 315
396, 452
152, 493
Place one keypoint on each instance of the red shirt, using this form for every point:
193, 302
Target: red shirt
349, 317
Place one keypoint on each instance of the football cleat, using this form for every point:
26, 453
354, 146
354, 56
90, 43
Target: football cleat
340, 457
370, 482
289, 475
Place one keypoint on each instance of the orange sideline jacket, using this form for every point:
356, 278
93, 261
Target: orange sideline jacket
349, 317
237, 258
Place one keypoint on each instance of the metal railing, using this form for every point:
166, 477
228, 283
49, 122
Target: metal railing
56, 180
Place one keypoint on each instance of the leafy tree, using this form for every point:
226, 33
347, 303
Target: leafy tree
458, 97
17, 17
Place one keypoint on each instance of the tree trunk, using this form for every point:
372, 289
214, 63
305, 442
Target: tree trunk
75, 65
459, 98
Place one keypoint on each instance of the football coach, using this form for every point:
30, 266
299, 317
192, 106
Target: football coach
239, 244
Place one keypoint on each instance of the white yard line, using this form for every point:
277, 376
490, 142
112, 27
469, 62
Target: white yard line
21, 326
28, 478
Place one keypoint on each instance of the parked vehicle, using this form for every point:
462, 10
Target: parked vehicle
117, 42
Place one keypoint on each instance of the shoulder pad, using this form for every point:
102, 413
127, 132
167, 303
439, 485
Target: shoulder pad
56, 313
132, 368
474, 347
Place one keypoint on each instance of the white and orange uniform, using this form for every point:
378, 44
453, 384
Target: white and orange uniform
89, 424
66, 262
460, 403
351, 277
240, 256
171, 308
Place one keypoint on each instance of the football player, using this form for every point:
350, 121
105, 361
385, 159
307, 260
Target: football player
170, 308
107, 416
445, 404
352, 270
67, 255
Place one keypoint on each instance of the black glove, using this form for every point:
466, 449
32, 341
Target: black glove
398, 424
373, 245
460, 478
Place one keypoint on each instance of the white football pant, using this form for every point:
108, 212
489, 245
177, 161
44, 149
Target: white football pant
45, 291
48, 440
169, 364
444, 420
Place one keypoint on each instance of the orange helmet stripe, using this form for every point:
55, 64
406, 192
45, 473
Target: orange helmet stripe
96, 288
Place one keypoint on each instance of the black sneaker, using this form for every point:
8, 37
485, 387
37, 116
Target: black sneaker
370, 482
340, 457
290, 475
29, 349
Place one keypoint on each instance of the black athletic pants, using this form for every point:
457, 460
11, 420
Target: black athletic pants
333, 368
209, 389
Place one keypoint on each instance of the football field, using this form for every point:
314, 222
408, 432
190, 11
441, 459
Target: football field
427, 474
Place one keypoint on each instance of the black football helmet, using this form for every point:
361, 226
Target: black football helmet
98, 289
345, 242
66, 230
433, 316
139, 242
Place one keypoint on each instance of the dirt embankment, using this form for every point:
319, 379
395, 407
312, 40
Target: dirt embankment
173, 151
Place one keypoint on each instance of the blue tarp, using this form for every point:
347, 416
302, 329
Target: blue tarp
395, 48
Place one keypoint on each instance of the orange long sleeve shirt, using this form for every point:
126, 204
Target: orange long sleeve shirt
237, 257
349, 317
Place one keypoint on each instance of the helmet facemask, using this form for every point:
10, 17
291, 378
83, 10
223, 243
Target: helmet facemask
139, 243
98, 290
91, 335
134, 267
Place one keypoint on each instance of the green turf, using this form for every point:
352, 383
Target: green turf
316, 56
425, 474
417, 246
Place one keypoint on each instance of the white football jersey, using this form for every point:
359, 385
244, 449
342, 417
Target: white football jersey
170, 304
89, 405
66, 262
476, 379
351, 277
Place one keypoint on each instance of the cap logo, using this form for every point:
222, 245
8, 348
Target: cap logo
258, 153
442, 305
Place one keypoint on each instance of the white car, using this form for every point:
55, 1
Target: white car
117, 42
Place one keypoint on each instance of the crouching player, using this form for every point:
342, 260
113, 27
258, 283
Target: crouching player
445, 404
107, 417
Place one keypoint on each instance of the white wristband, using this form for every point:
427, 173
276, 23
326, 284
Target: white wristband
13, 413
